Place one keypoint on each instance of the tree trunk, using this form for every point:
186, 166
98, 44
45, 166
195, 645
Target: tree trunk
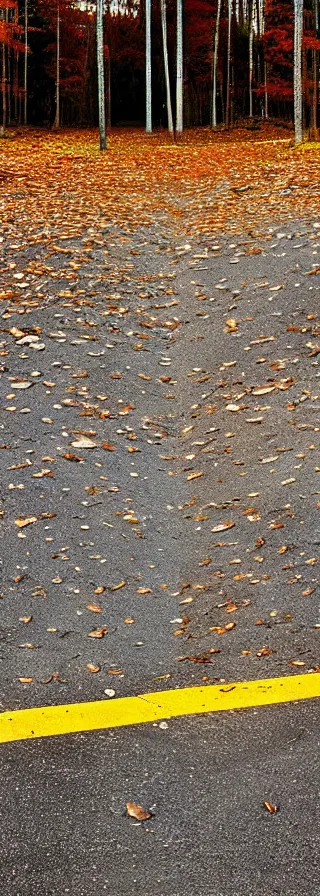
148, 69
266, 104
56, 123
166, 65
4, 87
109, 90
315, 69
215, 66
297, 70
16, 85
26, 62
251, 65
228, 64
101, 78
179, 88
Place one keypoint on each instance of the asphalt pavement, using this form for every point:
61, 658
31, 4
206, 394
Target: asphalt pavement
159, 496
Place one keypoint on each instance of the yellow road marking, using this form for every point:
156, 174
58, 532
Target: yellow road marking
47, 721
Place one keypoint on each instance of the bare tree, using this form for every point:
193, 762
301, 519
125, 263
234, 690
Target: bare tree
166, 64
228, 63
251, 25
101, 77
179, 87
26, 62
215, 66
56, 123
148, 69
297, 71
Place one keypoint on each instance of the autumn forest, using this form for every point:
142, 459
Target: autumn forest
228, 59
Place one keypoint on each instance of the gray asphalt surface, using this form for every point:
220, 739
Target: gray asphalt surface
134, 351
205, 780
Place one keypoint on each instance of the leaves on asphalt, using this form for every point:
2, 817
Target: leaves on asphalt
159, 350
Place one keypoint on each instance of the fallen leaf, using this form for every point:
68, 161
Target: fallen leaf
263, 390
138, 812
296, 663
98, 632
26, 521
195, 475
84, 442
93, 668
271, 807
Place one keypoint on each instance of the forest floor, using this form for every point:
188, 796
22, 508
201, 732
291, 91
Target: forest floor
159, 458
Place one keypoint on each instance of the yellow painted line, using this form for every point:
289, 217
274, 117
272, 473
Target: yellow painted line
47, 721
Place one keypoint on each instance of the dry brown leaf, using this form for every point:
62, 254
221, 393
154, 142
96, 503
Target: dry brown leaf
221, 527
26, 521
84, 442
93, 667
138, 812
296, 663
263, 390
98, 632
108, 447
195, 475
271, 807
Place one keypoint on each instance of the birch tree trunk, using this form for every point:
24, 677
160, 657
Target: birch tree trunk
101, 78
56, 124
215, 66
297, 71
251, 64
179, 86
148, 69
166, 65
228, 64
26, 62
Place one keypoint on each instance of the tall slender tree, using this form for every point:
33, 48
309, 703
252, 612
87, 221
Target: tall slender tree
166, 65
228, 63
56, 123
215, 66
101, 77
179, 85
26, 62
297, 70
251, 33
148, 69
315, 72
4, 70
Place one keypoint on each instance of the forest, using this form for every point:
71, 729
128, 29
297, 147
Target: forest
222, 60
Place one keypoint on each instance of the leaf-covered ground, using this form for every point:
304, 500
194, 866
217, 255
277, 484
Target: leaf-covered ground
159, 412
54, 184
